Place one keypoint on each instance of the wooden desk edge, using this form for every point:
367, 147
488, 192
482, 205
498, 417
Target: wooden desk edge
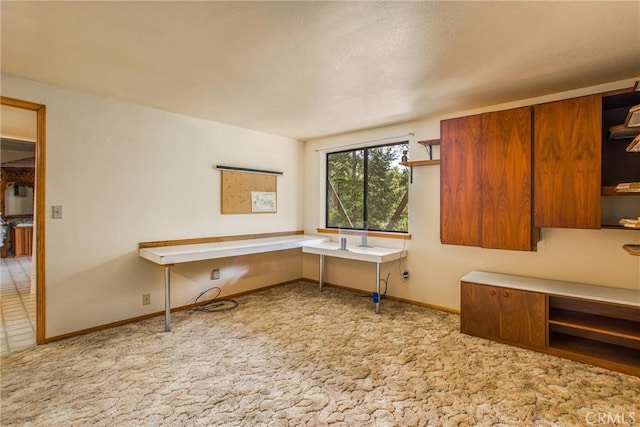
216, 239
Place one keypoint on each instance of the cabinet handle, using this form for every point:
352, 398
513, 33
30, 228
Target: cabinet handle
493, 293
506, 294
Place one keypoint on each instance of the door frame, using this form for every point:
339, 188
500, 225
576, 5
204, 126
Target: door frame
39, 220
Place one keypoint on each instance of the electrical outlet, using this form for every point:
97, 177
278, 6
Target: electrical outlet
146, 299
215, 274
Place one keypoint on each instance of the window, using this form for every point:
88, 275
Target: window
367, 189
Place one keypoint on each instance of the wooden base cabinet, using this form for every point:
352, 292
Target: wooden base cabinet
551, 317
22, 241
502, 314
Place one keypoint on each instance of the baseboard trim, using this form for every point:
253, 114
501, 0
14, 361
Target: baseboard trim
389, 297
157, 313
239, 294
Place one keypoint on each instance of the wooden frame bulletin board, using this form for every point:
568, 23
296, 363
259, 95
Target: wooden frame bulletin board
247, 192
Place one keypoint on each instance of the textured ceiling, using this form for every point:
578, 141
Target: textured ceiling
309, 69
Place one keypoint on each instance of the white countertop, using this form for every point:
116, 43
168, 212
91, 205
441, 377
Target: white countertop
164, 255
368, 254
556, 287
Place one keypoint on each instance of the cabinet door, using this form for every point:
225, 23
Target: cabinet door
567, 158
460, 181
479, 310
507, 180
522, 317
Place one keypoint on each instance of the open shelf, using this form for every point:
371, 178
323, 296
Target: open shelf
632, 249
412, 163
617, 227
610, 190
596, 332
587, 350
627, 329
619, 165
421, 163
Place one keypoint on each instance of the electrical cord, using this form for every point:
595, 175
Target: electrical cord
215, 305
386, 285
400, 270
404, 241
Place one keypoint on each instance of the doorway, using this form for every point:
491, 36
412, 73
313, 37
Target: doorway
38, 221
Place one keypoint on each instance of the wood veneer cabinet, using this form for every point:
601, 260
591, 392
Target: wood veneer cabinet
486, 184
461, 181
22, 241
587, 323
503, 314
507, 180
567, 153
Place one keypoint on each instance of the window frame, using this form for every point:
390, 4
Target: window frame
366, 149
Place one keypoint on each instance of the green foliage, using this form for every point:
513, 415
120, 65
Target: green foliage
353, 198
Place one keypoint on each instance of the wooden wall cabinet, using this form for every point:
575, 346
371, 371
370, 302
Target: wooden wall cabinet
507, 315
486, 184
567, 141
506, 174
460, 181
507, 180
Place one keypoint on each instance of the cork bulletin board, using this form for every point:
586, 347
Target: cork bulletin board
246, 192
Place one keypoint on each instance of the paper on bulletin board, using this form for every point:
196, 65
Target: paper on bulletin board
263, 201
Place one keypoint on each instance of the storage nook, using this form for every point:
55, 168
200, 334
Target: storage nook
591, 324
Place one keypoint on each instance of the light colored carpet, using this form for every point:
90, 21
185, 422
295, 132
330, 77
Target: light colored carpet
293, 356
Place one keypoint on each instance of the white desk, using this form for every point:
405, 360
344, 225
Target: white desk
376, 255
168, 256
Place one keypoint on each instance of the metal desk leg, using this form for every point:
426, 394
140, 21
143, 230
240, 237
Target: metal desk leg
321, 271
378, 287
167, 298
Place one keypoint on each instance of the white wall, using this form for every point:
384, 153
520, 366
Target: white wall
585, 256
16, 205
125, 174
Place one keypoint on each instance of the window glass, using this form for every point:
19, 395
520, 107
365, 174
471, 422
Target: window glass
367, 189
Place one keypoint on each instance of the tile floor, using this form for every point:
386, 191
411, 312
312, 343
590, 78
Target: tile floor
18, 305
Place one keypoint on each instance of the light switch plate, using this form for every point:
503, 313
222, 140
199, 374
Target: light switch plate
56, 212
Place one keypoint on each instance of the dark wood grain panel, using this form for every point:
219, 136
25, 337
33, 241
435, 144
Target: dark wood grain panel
567, 159
479, 310
507, 180
523, 318
460, 181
